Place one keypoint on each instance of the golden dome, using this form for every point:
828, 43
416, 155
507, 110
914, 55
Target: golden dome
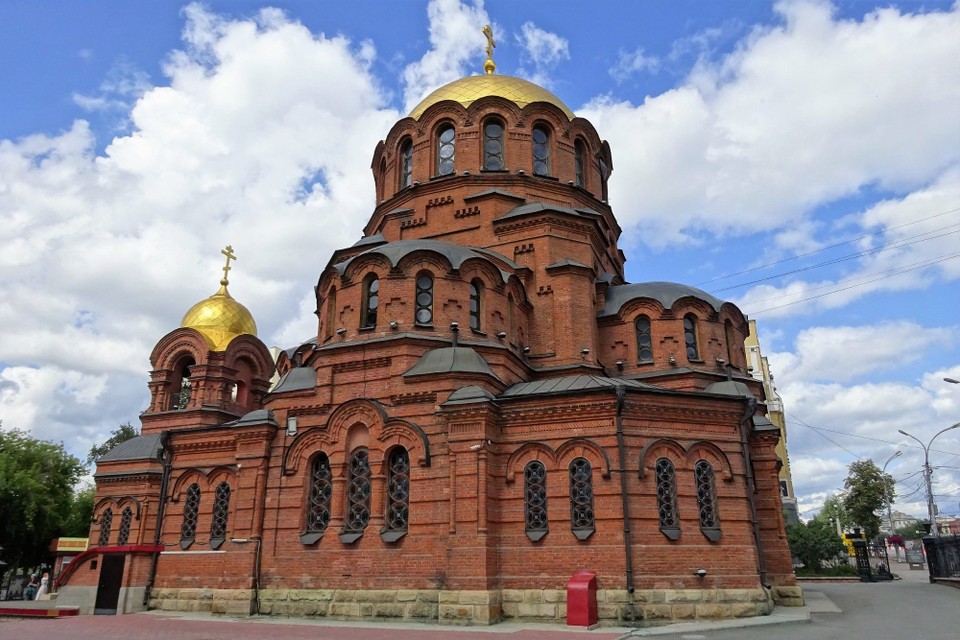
220, 319
466, 90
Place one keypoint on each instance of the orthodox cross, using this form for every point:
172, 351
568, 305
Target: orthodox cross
489, 66
230, 256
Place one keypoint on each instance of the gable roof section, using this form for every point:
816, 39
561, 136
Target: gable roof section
666, 293
139, 448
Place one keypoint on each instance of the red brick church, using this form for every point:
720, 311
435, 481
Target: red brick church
487, 407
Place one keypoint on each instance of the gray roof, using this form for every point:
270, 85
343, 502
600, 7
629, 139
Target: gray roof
297, 379
762, 423
456, 254
259, 416
567, 262
468, 395
493, 192
536, 207
666, 293
568, 384
449, 360
605, 276
376, 238
729, 388
139, 448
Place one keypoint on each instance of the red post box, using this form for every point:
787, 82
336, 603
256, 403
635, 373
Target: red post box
582, 599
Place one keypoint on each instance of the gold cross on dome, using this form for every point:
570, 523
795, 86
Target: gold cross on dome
489, 66
230, 256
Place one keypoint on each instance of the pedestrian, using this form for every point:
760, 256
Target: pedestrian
44, 581
30, 592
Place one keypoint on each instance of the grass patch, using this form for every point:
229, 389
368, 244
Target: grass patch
841, 571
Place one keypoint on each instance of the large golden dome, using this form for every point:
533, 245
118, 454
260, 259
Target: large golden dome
220, 319
466, 90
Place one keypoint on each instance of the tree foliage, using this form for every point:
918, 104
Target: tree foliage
814, 543
77, 522
122, 433
36, 495
833, 509
867, 491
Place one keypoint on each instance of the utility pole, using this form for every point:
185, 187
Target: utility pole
927, 472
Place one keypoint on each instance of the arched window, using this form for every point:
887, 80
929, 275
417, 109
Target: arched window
423, 312
106, 522
358, 496
398, 495
221, 509
690, 336
126, 517
321, 492
493, 145
406, 163
644, 340
579, 156
191, 508
446, 139
604, 176
729, 337
535, 499
382, 181
371, 301
581, 498
541, 151
180, 398
476, 295
667, 499
331, 312
511, 329
707, 500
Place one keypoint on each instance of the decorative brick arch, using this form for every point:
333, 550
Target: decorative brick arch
662, 448
527, 453
204, 478
306, 445
704, 450
436, 114
409, 436
177, 344
583, 448
251, 349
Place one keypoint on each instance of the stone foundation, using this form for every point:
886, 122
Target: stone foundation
614, 606
788, 596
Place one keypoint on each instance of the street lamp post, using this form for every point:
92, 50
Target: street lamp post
934, 530
889, 498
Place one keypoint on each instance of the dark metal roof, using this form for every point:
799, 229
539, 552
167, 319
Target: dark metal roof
139, 448
449, 360
493, 192
456, 254
297, 379
567, 262
666, 293
570, 384
260, 416
762, 423
376, 238
606, 277
536, 207
468, 395
729, 388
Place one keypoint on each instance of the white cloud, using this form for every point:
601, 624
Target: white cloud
632, 62
542, 48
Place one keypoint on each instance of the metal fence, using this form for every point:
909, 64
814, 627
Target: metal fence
943, 556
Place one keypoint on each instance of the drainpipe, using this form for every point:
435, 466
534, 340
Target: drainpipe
622, 451
745, 423
167, 459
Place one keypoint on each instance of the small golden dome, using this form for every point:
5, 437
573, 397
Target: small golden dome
220, 319
467, 90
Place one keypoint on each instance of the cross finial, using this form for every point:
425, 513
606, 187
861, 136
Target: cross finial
489, 66
230, 256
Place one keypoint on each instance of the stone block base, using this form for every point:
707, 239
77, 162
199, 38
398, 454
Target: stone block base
791, 596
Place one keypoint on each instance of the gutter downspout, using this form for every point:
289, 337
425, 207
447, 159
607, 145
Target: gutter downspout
752, 484
161, 509
622, 452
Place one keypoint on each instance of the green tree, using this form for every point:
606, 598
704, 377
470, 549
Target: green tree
814, 543
867, 491
122, 433
833, 509
36, 494
77, 523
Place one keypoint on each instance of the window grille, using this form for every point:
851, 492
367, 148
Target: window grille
445, 151
707, 499
581, 498
358, 496
424, 300
321, 493
535, 500
476, 288
690, 336
125, 519
371, 301
191, 508
493, 146
398, 495
644, 339
106, 521
541, 151
667, 498
221, 509
406, 164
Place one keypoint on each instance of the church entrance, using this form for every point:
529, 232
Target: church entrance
108, 588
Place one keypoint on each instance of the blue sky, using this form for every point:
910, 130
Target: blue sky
800, 158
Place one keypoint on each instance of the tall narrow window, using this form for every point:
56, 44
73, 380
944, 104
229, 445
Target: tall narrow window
106, 522
181, 392
644, 340
541, 151
729, 337
578, 160
398, 495
581, 498
358, 496
604, 176
535, 499
371, 301
321, 492
667, 499
707, 500
382, 181
406, 164
423, 314
191, 508
331, 312
221, 509
510, 319
126, 517
445, 148
690, 336
493, 146
476, 293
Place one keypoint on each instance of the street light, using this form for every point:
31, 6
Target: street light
927, 472
889, 499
